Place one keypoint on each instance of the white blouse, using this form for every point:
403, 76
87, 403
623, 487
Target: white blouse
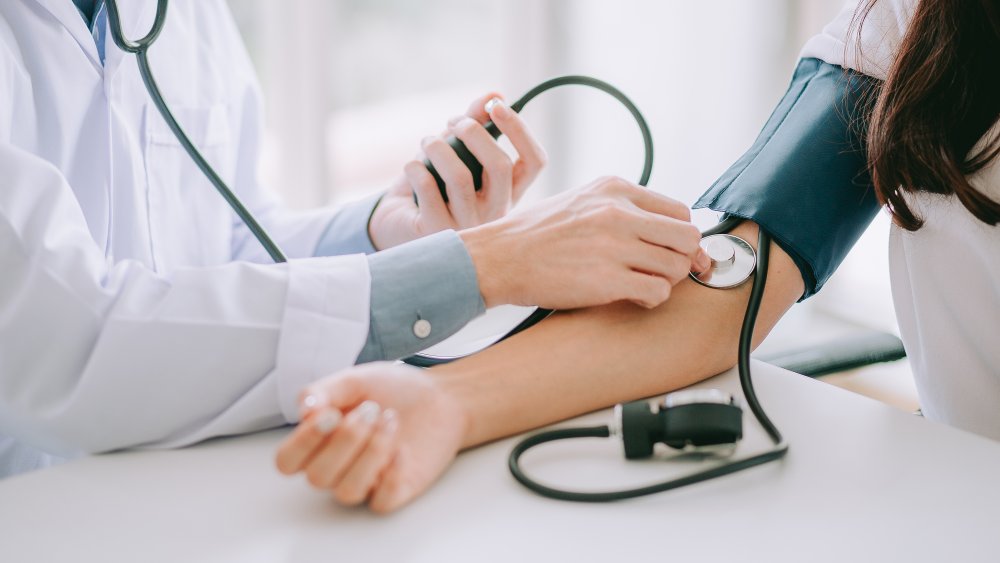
945, 276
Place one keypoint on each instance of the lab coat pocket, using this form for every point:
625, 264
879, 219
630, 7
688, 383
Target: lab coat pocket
191, 224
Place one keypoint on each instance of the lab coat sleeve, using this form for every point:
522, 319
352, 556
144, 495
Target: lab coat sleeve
97, 357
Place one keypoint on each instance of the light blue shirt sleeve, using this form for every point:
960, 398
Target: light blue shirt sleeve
422, 292
347, 232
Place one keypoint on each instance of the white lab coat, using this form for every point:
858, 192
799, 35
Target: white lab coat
131, 312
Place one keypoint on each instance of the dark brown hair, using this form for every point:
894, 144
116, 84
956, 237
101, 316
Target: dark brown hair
942, 95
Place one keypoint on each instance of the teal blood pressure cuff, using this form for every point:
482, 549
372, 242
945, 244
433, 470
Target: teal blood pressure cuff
805, 179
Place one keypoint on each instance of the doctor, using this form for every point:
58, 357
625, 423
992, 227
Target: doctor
131, 310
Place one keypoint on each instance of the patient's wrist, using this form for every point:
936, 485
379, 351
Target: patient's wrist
458, 387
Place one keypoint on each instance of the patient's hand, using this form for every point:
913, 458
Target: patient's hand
379, 434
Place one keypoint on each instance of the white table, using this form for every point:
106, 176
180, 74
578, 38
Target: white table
862, 482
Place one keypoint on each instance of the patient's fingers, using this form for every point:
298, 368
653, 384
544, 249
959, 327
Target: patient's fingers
359, 479
343, 446
393, 491
299, 447
341, 390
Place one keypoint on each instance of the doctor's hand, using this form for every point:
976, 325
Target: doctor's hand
379, 434
398, 219
609, 241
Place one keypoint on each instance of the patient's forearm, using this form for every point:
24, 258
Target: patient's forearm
580, 361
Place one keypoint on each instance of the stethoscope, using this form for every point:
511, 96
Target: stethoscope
707, 421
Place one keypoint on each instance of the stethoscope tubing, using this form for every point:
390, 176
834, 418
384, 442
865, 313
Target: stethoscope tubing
141, 50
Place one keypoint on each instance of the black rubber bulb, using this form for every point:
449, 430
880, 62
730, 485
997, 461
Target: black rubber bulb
466, 156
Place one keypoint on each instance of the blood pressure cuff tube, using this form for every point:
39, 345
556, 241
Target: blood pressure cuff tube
805, 179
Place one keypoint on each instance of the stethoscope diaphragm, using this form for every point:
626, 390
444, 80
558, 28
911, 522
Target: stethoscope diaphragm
733, 261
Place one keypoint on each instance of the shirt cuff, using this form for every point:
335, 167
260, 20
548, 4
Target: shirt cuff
347, 232
421, 293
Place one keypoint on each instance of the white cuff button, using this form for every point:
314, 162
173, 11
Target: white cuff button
422, 328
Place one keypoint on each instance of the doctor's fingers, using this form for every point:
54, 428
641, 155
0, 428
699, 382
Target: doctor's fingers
658, 261
343, 446
647, 199
498, 168
676, 234
432, 208
531, 157
647, 290
477, 109
357, 483
462, 196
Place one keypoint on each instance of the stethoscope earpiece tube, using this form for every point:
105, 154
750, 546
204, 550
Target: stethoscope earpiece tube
476, 168
141, 49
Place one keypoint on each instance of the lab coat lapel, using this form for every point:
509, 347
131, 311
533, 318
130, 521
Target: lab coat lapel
68, 16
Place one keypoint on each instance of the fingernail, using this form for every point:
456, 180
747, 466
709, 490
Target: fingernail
310, 401
703, 261
494, 103
367, 412
390, 420
327, 420
453, 121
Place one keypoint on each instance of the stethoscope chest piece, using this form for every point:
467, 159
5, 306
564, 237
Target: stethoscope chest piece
733, 261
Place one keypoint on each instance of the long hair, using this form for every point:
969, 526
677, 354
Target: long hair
942, 95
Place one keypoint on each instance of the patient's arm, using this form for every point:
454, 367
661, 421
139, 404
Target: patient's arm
579, 361
404, 426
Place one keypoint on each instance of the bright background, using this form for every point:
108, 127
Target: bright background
353, 85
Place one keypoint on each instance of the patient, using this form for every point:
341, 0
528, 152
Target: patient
932, 150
